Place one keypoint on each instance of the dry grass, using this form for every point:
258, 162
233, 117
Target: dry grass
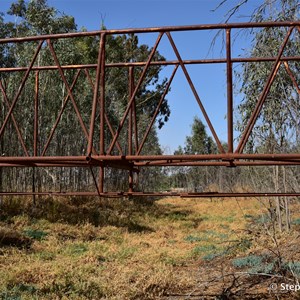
116, 249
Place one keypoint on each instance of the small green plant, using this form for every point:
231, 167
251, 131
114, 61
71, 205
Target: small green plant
192, 239
10, 296
246, 216
45, 255
257, 264
266, 268
294, 267
265, 218
177, 215
199, 250
248, 261
38, 235
296, 221
78, 249
16, 292
244, 244
211, 256
124, 253
215, 254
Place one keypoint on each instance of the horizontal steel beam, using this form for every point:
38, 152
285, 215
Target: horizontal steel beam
151, 30
154, 63
123, 159
155, 194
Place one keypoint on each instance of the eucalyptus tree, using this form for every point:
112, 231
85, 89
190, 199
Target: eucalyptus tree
199, 142
37, 18
277, 127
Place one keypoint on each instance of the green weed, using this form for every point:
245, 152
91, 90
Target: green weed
294, 267
200, 250
257, 264
38, 235
248, 261
77, 249
192, 239
296, 221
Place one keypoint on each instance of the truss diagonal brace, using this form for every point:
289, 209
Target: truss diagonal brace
13, 119
186, 73
60, 114
157, 110
105, 115
61, 72
21, 87
134, 93
263, 96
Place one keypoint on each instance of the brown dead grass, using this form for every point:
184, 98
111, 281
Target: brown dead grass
118, 249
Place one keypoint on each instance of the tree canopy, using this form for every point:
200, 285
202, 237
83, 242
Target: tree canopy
38, 18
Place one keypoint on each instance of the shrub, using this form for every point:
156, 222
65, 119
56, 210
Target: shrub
258, 264
248, 261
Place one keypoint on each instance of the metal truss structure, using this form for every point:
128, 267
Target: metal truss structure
109, 152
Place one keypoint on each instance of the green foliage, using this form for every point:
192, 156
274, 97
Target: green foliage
257, 264
199, 142
209, 235
210, 256
35, 234
200, 250
296, 221
276, 126
17, 292
248, 261
38, 17
216, 254
192, 239
77, 249
295, 267
266, 268
246, 216
177, 215
262, 264
244, 244
262, 219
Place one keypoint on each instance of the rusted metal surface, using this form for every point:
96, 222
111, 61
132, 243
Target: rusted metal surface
109, 151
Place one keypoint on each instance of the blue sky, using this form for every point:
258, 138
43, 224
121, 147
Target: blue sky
209, 80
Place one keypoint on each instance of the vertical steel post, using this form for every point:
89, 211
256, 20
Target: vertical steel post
35, 130
130, 92
136, 137
36, 114
102, 112
95, 96
229, 91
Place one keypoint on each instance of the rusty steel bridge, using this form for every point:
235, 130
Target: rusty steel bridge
108, 151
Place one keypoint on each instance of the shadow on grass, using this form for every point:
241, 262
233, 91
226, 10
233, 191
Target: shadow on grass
119, 212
